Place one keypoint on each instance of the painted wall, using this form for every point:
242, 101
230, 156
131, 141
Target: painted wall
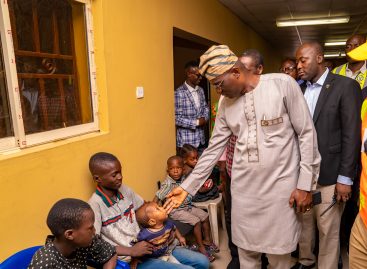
133, 47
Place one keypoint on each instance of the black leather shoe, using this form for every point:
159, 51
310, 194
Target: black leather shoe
301, 266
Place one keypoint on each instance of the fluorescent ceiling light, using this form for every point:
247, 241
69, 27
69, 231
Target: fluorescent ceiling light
335, 43
333, 55
326, 20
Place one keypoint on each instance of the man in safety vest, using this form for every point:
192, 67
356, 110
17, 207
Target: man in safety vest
355, 69
358, 237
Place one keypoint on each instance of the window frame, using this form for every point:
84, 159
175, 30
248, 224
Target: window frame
20, 139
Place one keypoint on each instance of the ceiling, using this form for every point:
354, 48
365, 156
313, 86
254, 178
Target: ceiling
261, 15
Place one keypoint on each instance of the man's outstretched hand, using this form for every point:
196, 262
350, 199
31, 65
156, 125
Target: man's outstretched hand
174, 199
303, 200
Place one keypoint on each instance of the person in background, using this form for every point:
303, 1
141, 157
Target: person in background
253, 60
289, 67
352, 68
191, 110
355, 69
329, 64
209, 190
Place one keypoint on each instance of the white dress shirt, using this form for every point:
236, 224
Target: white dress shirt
194, 93
312, 94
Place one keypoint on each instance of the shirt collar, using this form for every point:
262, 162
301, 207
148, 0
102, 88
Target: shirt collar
321, 79
174, 181
362, 69
300, 81
107, 200
191, 89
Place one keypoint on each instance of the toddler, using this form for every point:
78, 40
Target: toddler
158, 231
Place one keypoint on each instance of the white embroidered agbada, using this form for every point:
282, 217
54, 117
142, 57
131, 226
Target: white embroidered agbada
276, 152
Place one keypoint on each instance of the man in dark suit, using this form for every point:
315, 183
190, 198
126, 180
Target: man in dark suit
334, 103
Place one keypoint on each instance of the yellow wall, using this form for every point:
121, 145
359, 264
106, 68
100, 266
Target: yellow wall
133, 47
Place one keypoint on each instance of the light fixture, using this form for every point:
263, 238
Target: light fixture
335, 43
326, 20
334, 54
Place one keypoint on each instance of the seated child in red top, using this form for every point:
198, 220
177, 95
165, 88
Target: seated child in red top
159, 231
187, 213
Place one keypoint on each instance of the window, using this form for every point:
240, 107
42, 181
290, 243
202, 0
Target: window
47, 74
6, 129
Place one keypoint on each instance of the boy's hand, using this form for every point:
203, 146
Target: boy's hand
182, 241
303, 200
174, 199
141, 248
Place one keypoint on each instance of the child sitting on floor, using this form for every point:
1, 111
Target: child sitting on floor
187, 213
158, 231
209, 190
71, 223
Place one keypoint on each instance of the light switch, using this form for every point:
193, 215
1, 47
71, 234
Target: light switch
139, 92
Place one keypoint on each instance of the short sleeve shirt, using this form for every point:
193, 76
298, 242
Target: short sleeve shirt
168, 185
161, 240
49, 257
115, 221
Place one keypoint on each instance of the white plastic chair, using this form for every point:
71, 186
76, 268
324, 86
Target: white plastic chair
212, 207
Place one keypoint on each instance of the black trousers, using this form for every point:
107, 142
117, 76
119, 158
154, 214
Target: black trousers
235, 262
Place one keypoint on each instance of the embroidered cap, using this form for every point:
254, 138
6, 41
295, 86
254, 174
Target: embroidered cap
216, 60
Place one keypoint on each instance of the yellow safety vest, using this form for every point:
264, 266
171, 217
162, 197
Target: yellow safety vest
360, 78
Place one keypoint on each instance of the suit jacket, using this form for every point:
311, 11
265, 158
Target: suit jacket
186, 116
338, 126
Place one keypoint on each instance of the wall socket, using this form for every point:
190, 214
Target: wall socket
139, 92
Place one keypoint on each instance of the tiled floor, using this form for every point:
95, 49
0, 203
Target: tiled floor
223, 257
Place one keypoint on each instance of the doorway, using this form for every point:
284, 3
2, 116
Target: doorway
189, 47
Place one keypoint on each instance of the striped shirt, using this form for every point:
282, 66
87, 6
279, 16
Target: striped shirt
168, 185
115, 219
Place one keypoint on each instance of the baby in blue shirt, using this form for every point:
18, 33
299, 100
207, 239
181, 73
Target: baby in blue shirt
159, 231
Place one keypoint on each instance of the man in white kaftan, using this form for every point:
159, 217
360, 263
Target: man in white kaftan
276, 161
